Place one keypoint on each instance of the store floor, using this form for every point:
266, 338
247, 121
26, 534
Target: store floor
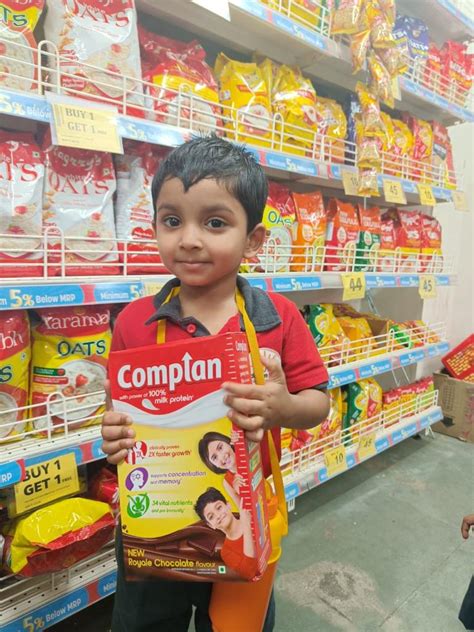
378, 548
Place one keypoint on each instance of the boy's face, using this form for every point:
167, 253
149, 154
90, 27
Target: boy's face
218, 515
202, 233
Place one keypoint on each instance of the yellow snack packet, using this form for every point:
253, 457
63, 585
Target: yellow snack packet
245, 100
294, 99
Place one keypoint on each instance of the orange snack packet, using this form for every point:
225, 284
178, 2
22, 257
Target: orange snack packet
342, 234
309, 232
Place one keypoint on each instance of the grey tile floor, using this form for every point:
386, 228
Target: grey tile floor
378, 548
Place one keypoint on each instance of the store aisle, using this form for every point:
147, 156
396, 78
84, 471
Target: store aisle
378, 548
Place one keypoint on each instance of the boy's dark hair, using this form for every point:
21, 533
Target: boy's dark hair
215, 158
203, 450
211, 495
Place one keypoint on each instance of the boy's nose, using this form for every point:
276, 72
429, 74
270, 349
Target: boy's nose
190, 238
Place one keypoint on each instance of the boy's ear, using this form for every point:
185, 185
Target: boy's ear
255, 241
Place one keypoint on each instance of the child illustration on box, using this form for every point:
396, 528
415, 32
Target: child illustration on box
217, 453
238, 550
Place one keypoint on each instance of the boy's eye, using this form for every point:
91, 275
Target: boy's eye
216, 223
171, 221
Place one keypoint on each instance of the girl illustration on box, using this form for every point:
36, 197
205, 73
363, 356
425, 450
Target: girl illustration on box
217, 453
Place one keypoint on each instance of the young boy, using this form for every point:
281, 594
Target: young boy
209, 196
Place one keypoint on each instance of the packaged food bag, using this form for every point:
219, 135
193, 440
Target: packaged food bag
424, 389
434, 75
331, 426
431, 253
184, 91
78, 203
332, 342
357, 329
14, 373
21, 191
387, 259
457, 66
422, 148
68, 366
355, 403
401, 150
392, 409
368, 246
180, 511
242, 87
98, 50
342, 235
134, 212
375, 403
278, 218
57, 536
332, 124
407, 225
348, 17
18, 48
294, 98
412, 36
309, 232
442, 157
104, 487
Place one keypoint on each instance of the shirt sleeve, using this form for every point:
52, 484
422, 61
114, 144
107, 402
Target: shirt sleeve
301, 361
233, 556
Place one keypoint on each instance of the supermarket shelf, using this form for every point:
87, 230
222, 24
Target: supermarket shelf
38, 603
37, 293
305, 468
371, 367
85, 444
312, 49
448, 19
276, 162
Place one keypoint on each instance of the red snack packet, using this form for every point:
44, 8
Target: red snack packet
407, 226
342, 234
182, 80
442, 158
431, 258
388, 243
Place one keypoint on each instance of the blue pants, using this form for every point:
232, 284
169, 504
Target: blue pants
466, 614
164, 606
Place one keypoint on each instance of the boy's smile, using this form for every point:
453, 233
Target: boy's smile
202, 232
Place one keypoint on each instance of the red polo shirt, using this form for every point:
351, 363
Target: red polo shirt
279, 325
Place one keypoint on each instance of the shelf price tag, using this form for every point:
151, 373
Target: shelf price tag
427, 287
350, 182
354, 285
393, 192
335, 460
460, 201
47, 481
76, 125
367, 446
426, 194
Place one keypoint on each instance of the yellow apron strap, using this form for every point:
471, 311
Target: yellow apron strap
161, 329
260, 379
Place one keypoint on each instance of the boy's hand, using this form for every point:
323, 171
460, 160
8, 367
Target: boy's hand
256, 408
117, 435
467, 523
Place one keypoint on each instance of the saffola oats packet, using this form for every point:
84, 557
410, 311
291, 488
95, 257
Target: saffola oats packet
192, 492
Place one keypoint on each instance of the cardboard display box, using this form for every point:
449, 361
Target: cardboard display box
456, 399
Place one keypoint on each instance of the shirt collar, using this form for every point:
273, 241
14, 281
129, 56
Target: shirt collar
260, 307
